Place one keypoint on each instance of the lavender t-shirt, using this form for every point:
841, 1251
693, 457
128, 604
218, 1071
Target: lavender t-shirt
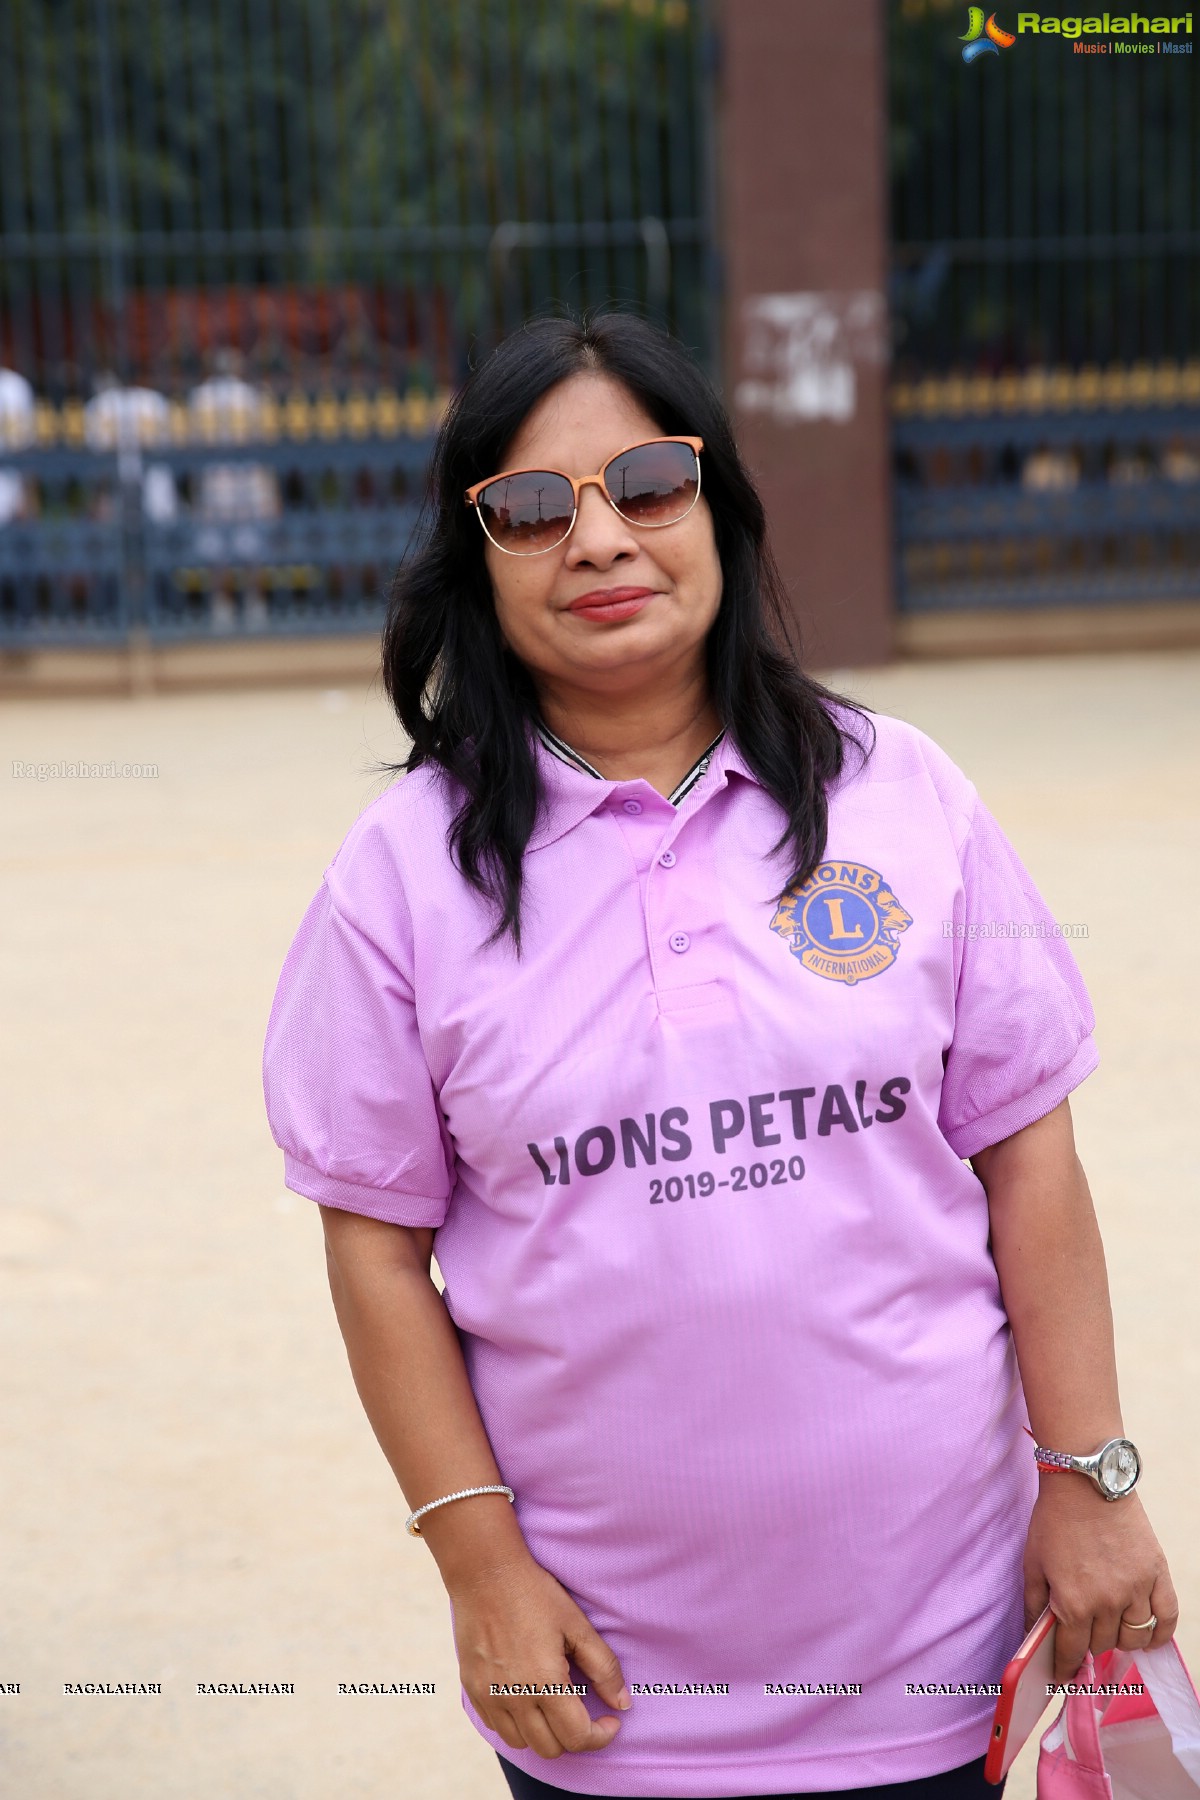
721, 1275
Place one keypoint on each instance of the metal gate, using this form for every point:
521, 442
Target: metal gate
248, 248
1046, 301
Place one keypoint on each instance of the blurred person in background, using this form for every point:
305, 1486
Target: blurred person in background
656, 1000
127, 419
17, 432
1050, 470
231, 499
1181, 461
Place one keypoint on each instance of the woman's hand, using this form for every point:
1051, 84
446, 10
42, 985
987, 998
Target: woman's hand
1097, 1562
516, 1626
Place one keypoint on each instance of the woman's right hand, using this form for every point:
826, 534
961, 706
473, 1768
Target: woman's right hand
516, 1627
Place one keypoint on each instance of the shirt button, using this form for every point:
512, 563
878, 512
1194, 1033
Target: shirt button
679, 941
631, 806
668, 859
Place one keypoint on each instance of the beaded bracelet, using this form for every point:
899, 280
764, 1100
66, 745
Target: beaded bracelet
414, 1530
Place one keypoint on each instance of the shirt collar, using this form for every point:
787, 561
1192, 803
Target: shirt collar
559, 747
572, 790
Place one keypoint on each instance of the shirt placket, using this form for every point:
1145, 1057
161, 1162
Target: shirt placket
672, 853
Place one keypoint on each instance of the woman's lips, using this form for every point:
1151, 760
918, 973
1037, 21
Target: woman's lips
611, 603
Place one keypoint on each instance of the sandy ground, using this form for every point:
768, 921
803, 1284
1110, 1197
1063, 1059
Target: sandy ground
195, 1494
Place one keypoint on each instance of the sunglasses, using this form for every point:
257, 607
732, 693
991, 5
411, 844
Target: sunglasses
527, 511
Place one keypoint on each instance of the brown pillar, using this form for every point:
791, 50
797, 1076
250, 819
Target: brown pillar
802, 212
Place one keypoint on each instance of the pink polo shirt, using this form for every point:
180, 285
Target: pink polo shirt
720, 1273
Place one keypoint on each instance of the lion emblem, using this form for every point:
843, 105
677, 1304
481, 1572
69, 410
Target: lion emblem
844, 924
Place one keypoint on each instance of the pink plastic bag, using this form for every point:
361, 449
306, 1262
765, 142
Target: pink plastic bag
1125, 1746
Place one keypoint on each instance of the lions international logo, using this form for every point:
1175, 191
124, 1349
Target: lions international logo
844, 923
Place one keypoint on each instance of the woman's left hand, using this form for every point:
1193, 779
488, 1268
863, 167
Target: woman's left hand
1098, 1564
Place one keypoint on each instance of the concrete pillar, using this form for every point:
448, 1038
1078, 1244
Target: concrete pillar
802, 212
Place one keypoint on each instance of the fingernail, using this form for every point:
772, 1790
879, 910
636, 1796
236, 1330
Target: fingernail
624, 1699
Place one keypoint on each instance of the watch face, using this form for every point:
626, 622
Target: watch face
1119, 1467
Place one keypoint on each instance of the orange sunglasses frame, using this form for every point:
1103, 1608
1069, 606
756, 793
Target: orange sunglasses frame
578, 482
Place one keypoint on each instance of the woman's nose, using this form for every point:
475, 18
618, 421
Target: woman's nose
597, 521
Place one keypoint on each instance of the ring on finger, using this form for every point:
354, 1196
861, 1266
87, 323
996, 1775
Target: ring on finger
1142, 1624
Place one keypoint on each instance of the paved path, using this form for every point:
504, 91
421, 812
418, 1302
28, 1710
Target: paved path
196, 1495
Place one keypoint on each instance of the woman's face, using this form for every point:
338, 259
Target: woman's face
576, 427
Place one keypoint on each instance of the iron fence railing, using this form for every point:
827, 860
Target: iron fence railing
1053, 488
292, 524
1045, 291
246, 251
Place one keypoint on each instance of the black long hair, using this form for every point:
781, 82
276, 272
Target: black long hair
468, 703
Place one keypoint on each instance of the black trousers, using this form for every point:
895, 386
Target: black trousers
965, 1783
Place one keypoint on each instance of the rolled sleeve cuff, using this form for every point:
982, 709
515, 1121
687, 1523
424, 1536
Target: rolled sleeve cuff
991, 1128
377, 1203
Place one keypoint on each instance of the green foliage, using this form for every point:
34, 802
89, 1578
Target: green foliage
1055, 204
228, 115
155, 146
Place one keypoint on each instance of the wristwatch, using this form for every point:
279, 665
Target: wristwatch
1115, 1467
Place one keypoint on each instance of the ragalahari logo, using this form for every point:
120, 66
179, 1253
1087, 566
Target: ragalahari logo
982, 39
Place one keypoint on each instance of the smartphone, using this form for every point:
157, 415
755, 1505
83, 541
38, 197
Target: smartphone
1023, 1698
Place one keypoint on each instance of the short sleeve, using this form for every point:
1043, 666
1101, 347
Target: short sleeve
348, 1092
1023, 1021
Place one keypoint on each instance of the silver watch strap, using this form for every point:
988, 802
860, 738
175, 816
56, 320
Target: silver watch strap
1059, 1458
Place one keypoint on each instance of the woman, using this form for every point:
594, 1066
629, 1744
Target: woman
657, 998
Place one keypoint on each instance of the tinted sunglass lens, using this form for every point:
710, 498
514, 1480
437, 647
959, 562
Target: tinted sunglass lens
654, 484
527, 512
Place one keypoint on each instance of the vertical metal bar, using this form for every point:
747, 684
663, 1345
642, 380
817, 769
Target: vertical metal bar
1159, 199
129, 463
212, 174
395, 165
708, 270
596, 196
1022, 178
1189, 206
485, 323
543, 140
12, 221
1098, 217
18, 279
193, 202
1176, 177
965, 220
901, 185
15, 181
274, 357
79, 287
481, 207
165, 54
941, 212
1128, 175
510, 268
112, 183
1156, 198
389, 301
673, 169
1063, 348
573, 151
628, 263
138, 139
461, 63
327, 165
46, 272
1048, 165
239, 107
535, 175
649, 100
426, 160
368, 105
